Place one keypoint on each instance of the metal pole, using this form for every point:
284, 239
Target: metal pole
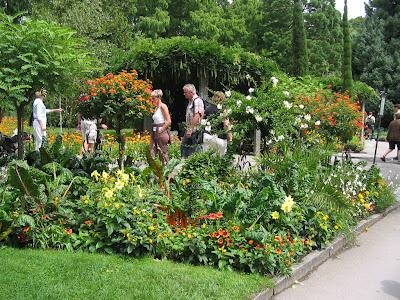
380, 115
377, 136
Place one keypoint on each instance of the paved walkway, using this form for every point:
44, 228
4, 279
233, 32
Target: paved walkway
370, 270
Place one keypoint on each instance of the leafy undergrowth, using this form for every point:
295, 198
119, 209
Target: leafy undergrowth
46, 274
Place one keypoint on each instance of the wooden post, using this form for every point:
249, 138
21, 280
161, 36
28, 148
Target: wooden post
203, 88
257, 142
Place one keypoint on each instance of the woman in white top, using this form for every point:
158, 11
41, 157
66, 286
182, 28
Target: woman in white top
160, 136
39, 112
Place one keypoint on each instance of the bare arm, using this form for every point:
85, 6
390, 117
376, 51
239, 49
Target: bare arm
167, 117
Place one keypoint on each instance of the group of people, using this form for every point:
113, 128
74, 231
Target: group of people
160, 131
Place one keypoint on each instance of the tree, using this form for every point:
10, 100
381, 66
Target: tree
37, 54
107, 27
324, 37
299, 45
347, 75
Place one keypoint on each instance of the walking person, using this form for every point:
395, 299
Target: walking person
90, 133
393, 136
370, 121
160, 134
194, 114
39, 112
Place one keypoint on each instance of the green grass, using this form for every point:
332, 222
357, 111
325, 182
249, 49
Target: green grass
47, 274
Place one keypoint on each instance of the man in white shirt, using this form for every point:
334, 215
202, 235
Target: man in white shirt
39, 112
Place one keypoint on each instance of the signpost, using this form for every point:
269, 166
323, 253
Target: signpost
381, 112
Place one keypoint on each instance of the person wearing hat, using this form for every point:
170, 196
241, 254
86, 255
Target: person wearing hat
39, 112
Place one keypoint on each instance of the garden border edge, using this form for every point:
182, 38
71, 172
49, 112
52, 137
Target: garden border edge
314, 259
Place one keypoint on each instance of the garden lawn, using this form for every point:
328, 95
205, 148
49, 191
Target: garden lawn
38, 274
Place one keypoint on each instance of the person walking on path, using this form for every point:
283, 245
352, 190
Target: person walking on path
160, 135
194, 115
393, 136
370, 121
39, 112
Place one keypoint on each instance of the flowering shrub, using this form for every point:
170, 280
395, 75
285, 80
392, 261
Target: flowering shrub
119, 97
116, 95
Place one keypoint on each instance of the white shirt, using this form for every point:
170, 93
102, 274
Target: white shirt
158, 117
39, 110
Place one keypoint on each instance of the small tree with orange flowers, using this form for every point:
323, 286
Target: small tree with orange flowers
120, 97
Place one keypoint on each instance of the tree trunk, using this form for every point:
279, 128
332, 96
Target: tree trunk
363, 123
20, 118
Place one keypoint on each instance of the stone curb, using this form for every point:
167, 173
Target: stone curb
311, 261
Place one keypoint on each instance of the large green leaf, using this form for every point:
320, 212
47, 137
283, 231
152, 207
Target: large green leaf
20, 178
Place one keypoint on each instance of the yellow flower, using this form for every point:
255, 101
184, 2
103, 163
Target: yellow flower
152, 228
203, 226
367, 206
140, 193
367, 193
336, 227
119, 185
105, 175
361, 196
362, 200
288, 204
108, 193
120, 173
325, 217
95, 174
125, 178
85, 199
275, 215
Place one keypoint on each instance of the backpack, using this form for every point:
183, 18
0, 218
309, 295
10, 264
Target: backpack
209, 108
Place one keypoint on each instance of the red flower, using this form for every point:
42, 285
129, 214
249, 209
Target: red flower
278, 251
68, 231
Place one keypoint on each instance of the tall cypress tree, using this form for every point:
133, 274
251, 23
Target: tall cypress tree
346, 67
299, 45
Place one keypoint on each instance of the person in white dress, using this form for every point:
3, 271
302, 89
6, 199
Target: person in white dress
39, 112
160, 135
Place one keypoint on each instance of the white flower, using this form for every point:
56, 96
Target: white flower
286, 93
269, 142
301, 106
251, 90
228, 94
203, 122
227, 111
249, 110
248, 76
304, 126
207, 128
238, 103
280, 138
219, 106
317, 123
274, 81
258, 118
272, 132
208, 123
287, 104
297, 120
307, 117
248, 97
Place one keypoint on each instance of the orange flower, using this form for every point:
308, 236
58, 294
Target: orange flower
68, 231
235, 228
278, 251
220, 241
250, 242
88, 222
